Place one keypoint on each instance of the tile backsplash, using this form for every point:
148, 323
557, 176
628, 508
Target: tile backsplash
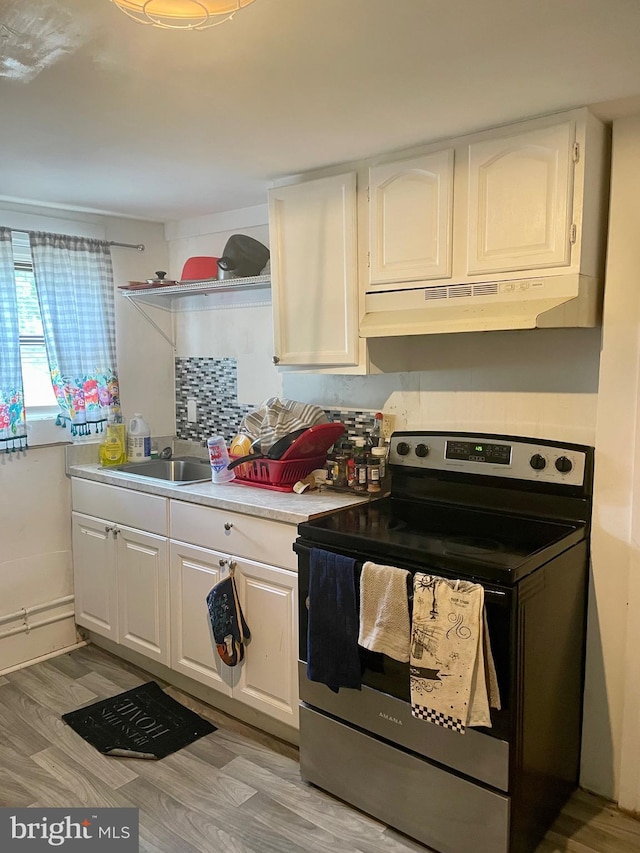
212, 383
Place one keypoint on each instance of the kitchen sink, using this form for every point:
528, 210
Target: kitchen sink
180, 470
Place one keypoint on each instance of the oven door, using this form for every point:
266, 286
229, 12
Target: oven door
382, 708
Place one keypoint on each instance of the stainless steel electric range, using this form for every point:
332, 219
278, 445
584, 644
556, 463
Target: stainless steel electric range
509, 513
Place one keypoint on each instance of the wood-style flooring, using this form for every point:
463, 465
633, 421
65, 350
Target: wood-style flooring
237, 790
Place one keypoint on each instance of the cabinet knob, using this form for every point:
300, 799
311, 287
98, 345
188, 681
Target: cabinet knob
221, 562
108, 530
276, 359
228, 525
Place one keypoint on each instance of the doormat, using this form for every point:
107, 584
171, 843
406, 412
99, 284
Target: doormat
141, 723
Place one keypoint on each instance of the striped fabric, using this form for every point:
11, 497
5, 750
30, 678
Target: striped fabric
74, 279
13, 428
276, 418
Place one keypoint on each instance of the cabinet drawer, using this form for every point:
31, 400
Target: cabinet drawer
124, 506
233, 533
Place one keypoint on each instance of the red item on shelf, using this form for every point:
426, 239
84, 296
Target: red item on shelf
200, 268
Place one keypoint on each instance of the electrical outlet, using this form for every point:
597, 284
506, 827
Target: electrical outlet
388, 425
192, 411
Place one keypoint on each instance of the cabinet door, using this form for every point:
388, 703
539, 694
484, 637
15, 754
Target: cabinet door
410, 219
314, 283
143, 592
268, 677
94, 572
520, 201
193, 651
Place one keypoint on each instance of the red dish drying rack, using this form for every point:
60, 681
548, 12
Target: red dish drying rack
304, 455
275, 474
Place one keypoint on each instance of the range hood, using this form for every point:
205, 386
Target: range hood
525, 303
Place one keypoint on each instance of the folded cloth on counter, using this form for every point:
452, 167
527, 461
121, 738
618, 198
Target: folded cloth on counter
275, 418
384, 611
332, 634
449, 671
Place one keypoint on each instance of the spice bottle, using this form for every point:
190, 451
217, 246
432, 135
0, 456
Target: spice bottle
373, 472
359, 466
380, 453
330, 468
340, 470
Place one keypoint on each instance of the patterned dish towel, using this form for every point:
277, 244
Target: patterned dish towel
451, 666
384, 611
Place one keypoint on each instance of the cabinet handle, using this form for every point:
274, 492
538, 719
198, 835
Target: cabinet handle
276, 359
228, 525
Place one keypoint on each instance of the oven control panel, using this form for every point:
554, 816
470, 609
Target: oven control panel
490, 455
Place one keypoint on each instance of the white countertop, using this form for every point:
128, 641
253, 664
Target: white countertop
238, 497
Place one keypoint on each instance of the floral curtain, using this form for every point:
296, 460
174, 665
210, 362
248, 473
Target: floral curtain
13, 427
74, 279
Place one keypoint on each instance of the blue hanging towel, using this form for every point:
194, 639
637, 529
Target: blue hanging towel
332, 638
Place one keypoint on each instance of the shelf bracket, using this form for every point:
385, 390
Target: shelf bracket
150, 320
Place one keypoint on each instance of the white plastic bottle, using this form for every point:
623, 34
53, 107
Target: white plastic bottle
138, 439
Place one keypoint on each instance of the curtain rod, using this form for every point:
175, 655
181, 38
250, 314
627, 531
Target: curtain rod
138, 246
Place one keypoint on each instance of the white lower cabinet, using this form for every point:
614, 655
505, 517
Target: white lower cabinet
194, 571
267, 678
94, 569
121, 584
146, 589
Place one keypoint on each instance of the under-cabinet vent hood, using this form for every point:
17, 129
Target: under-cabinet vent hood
526, 303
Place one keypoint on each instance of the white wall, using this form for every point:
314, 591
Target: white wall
539, 383
233, 325
611, 754
35, 506
35, 558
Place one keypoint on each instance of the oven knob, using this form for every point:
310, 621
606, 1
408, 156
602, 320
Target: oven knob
422, 450
563, 464
402, 448
538, 462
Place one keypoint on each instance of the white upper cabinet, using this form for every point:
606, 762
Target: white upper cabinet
521, 201
312, 227
410, 219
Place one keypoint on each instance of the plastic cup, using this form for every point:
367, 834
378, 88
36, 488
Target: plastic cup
219, 458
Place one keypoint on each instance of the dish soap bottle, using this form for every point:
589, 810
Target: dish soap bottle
138, 439
113, 450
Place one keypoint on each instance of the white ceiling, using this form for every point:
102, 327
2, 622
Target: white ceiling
99, 112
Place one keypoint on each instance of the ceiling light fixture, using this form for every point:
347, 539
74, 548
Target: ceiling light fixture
181, 14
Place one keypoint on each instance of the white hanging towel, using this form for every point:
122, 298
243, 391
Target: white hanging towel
384, 611
450, 675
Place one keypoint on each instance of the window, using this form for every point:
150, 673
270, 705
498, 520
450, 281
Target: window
38, 393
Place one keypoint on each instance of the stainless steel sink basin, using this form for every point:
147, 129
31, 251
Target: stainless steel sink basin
180, 470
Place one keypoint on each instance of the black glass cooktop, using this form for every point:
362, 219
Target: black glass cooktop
485, 545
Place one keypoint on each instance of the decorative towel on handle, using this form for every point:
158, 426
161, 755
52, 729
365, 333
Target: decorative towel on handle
448, 644
332, 635
384, 611
230, 630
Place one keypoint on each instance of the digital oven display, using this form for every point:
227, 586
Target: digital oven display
471, 451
